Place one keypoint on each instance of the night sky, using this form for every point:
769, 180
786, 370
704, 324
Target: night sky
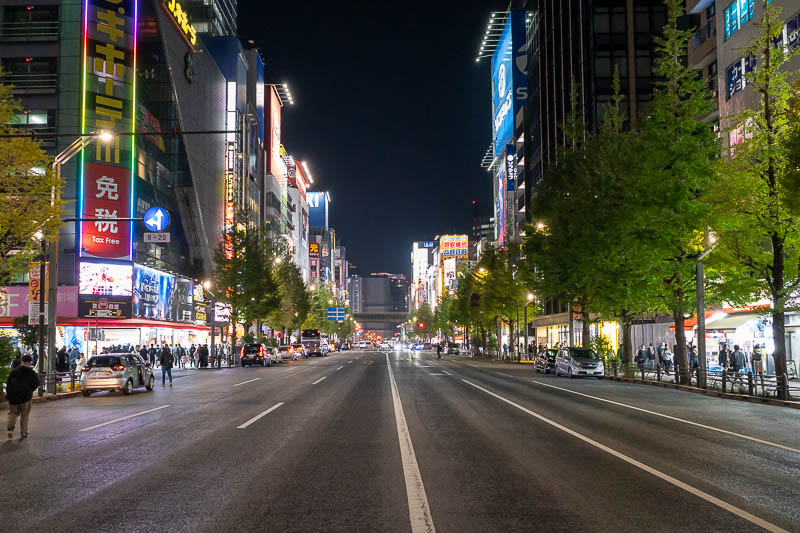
392, 115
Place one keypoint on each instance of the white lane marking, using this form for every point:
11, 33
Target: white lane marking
341, 367
124, 418
260, 416
506, 375
436, 374
676, 419
248, 381
350, 361
470, 364
446, 372
650, 470
419, 512
320, 379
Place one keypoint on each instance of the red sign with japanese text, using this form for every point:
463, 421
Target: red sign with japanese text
106, 195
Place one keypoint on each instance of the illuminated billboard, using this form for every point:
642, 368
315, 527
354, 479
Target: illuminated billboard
277, 167
105, 279
108, 102
298, 178
509, 78
500, 206
161, 296
454, 246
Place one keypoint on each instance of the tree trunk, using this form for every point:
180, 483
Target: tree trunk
499, 331
679, 350
627, 340
586, 340
779, 355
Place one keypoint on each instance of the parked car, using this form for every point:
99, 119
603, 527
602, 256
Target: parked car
452, 348
384, 346
574, 361
300, 350
345, 347
116, 371
545, 360
287, 352
255, 354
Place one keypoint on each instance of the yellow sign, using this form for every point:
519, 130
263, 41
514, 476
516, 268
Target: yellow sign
181, 20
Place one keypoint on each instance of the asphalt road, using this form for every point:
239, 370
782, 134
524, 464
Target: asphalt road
375, 442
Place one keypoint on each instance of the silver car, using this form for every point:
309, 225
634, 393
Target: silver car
575, 361
116, 371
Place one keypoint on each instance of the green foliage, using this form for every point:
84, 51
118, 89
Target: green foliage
27, 181
7, 353
28, 335
248, 338
756, 204
295, 301
601, 344
424, 315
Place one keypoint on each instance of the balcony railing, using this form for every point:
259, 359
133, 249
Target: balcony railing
706, 32
27, 31
31, 83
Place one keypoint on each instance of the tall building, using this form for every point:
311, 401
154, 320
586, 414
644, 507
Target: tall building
702, 53
213, 17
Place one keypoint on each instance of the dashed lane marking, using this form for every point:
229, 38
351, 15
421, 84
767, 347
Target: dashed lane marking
260, 416
320, 379
124, 418
341, 367
248, 381
650, 470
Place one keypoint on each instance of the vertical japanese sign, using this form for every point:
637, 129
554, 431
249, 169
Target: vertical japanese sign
35, 291
108, 103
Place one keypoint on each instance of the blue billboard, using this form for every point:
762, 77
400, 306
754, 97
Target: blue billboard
509, 79
161, 296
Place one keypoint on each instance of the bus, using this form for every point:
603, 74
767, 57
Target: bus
314, 341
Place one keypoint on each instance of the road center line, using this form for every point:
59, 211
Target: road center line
260, 416
506, 375
419, 512
470, 364
676, 419
666, 477
446, 372
350, 361
248, 381
341, 367
320, 379
125, 418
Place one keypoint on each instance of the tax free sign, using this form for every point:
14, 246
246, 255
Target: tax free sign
509, 79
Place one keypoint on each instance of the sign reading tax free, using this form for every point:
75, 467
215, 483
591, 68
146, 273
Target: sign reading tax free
108, 104
106, 195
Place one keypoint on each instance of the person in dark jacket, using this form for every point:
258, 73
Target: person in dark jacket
151, 354
439, 351
166, 360
143, 353
21, 383
203, 351
724, 356
61, 360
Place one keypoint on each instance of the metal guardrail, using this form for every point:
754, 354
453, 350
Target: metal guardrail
750, 382
31, 82
24, 31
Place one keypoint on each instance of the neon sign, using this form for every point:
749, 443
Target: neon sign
181, 20
108, 102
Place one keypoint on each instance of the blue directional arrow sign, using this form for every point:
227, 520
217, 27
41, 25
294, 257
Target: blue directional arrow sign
156, 219
336, 314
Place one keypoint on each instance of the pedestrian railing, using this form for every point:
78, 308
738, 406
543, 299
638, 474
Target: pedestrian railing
749, 383
55, 382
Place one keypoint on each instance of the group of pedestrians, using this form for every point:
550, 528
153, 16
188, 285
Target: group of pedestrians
652, 358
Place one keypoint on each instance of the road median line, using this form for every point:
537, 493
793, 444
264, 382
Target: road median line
248, 381
650, 470
124, 418
320, 379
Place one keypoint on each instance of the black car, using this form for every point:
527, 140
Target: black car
256, 354
545, 360
345, 347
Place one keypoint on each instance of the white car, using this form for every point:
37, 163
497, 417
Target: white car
385, 346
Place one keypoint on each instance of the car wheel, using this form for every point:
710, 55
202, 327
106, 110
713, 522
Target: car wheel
86, 393
150, 384
128, 388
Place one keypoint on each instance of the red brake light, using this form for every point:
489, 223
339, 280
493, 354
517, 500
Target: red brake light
242, 354
118, 367
260, 350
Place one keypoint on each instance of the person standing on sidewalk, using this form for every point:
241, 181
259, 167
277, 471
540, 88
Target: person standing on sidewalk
438, 351
758, 357
738, 362
724, 356
21, 383
165, 360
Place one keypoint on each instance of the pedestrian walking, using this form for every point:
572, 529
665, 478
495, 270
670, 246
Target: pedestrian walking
641, 355
758, 358
151, 354
21, 383
203, 355
438, 351
61, 360
651, 356
505, 350
724, 356
80, 362
143, 352
166, 360
738, 363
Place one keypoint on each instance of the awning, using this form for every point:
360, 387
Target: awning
731, 322
691, 322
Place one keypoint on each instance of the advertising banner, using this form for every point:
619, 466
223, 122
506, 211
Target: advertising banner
277, 167
313, 249
509, 78
14, 302
109, 104
500, 206
148, 124
454, 245
161, 296
450, 272
298, 178
91, 306
106, 196
199, 312
511, 166
105, 290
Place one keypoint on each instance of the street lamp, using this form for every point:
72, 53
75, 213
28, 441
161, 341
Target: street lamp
61, 159
525, 318
207, 287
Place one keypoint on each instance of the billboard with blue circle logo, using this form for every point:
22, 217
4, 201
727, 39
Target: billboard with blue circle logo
509, 79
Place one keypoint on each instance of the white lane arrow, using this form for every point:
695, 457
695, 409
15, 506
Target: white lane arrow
156, 220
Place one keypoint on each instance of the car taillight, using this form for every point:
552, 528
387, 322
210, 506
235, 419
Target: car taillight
242, 354
261, 350
118, 367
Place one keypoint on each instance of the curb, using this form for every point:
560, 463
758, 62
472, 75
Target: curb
741, 397
52, 398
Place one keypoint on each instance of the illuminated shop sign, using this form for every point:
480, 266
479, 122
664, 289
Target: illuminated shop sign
104, 290
454, 245
511, 166
509, 78
108, 102
161, 296
313, 249
181, 20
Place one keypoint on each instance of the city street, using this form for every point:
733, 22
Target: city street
313, 445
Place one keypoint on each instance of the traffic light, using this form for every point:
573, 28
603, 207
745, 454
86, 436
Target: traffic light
421, 325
